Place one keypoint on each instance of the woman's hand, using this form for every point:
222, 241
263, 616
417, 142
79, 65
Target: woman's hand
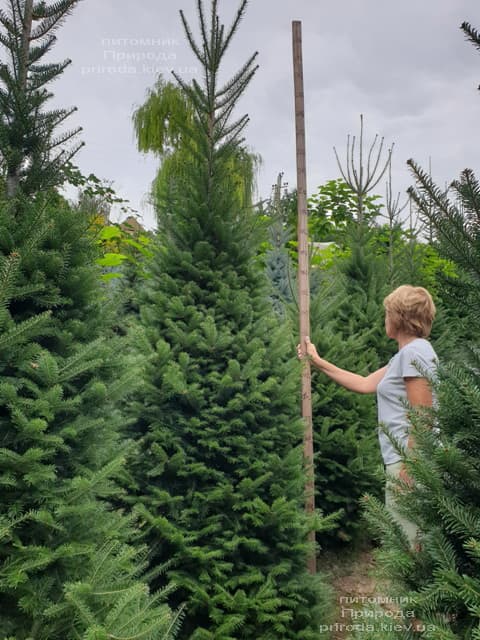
307, 350
403, 475
300, 352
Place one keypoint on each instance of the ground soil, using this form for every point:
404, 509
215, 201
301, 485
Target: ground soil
352, 574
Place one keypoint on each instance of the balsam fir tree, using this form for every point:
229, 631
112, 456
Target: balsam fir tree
67, 569
441, 578
219, 481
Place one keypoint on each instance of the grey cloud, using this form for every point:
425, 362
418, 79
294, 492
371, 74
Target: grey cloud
405, 65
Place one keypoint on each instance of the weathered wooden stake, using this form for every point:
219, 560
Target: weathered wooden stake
303, 284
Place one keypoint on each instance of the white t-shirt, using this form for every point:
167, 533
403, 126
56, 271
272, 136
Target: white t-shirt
417, 359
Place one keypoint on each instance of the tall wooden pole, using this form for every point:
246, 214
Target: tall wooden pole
303, 284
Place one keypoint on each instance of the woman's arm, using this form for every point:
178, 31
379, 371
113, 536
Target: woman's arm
419, 394
347, 379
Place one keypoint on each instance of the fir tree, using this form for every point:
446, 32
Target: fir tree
347, 319
219, 481
61, 451
67, 568
32, 152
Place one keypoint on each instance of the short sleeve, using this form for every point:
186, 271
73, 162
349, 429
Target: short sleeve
415, 364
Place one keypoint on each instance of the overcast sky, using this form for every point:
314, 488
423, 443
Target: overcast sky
405, 65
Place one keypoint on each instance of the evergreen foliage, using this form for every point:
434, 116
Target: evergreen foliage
219, 481
441, 578
348, 284
347, 327
32, 151
471, 34
60, 384
68, 569
278, 264
347, 316
347, 320
454, 219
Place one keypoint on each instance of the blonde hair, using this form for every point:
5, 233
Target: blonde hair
411, 310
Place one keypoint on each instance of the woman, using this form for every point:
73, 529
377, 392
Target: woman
409, 314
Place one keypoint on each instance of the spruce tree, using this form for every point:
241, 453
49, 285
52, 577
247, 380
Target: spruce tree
278, 264
219, 481
441, 578
67, 565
